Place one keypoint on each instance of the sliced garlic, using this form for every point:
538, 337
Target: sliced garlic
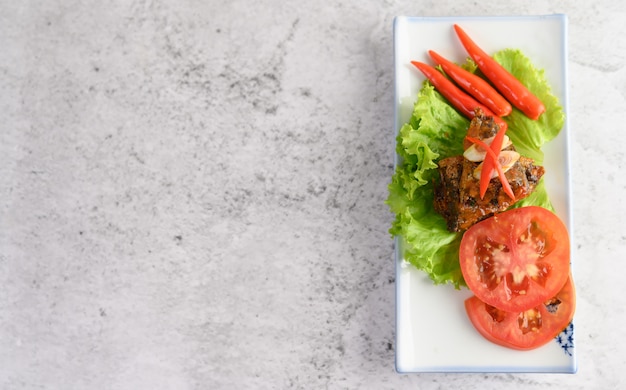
475, 153
507, 159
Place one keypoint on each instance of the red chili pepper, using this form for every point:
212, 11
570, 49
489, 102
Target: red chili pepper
474, 85
490, 163
504, 81
459, 99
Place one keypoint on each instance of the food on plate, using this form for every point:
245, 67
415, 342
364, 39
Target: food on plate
435, 131
457, 196
516, 259
480, 89
502, 79
469, 197
524, 329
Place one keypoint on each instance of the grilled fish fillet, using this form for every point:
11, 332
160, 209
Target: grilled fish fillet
457, 194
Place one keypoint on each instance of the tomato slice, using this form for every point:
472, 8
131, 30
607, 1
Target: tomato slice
527, 329
517, 259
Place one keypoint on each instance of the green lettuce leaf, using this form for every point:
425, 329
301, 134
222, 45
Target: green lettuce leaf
436, 131
526, 134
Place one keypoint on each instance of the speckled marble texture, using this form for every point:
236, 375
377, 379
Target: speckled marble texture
192, 193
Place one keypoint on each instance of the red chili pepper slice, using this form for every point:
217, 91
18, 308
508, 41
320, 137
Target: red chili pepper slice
504, 81
459, 99
490, 163
474, 85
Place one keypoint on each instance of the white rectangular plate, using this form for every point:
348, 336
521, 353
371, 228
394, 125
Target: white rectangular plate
433, 333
